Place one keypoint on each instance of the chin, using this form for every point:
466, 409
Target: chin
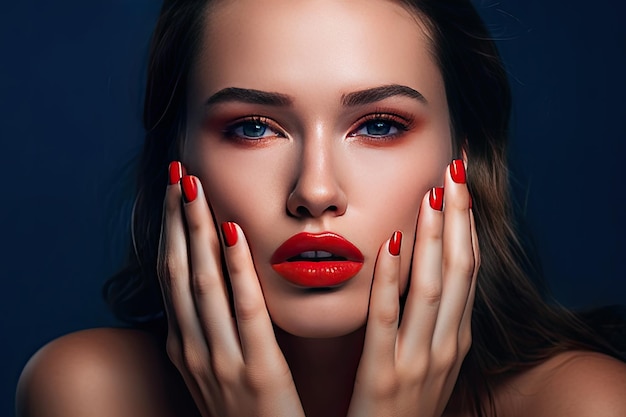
323, 323
320, 329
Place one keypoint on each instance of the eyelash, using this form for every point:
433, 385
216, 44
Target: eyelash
401, 123
266, 123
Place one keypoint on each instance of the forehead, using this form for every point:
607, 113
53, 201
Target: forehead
278, 45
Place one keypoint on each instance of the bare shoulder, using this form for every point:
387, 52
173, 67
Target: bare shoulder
101, 372
574, 384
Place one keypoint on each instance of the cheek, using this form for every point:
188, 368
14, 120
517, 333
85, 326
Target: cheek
391, 195
391, 185
244, 187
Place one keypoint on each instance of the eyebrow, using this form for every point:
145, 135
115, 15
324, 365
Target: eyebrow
356, 98
372, 95
247, 95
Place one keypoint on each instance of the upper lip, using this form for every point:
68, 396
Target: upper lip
337, 245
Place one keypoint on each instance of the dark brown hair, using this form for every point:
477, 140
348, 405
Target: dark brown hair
513, 328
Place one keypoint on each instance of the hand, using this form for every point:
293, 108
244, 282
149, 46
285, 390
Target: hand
232, 367
411, 369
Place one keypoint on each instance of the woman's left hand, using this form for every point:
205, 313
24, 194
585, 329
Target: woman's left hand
410, 369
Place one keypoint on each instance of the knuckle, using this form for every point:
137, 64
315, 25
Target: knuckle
247, 309
172, 348
224, 371
446, 357
433, 234
431, 293
414, 374
418, 369
465, 342
385, 385
203, 284
169, 267
462, 262
236, 268
387, 316
170, 271
464, 350
195, 225
162, 265
258, 379
477, 260
458, 201
192, 361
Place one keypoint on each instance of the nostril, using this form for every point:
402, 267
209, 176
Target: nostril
303, 212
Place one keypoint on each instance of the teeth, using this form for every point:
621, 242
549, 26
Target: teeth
311, 254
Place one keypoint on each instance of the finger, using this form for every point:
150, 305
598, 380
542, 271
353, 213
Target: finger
424, 295
207, 282
475, 243
465, 332
173, 268
170, 207
256, 333
458, 258
384, 309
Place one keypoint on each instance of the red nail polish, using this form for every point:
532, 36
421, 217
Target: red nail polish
395, 243
229, 231
457, 171
190, 189
436, 198
176, 172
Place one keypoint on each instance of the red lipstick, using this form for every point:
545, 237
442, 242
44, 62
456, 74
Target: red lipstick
317, 260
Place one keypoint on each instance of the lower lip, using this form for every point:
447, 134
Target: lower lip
318, 274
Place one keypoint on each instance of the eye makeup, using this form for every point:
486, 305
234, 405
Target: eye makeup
382, 125
373, 125
253, 128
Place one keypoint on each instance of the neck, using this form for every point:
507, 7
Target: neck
323, 370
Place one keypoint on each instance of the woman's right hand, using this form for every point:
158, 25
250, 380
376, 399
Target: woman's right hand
232, 366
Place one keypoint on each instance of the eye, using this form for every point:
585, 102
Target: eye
377, 128
381, 126
253, 128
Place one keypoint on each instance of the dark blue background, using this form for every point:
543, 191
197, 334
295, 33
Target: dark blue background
70, 108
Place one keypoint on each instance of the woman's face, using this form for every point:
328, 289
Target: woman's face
324, 116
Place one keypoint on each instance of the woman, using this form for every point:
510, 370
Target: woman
351, 272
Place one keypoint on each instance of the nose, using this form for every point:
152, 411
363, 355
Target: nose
317, 189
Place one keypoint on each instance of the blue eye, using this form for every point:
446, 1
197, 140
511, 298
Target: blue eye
251, 129
380, 126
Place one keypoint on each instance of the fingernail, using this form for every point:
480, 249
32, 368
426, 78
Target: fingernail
229, 231
395, 243
190, 189
436, 198
176, 172
457, 171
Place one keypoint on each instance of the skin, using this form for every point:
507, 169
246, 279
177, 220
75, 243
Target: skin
362, 188
314, 165
289, 352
